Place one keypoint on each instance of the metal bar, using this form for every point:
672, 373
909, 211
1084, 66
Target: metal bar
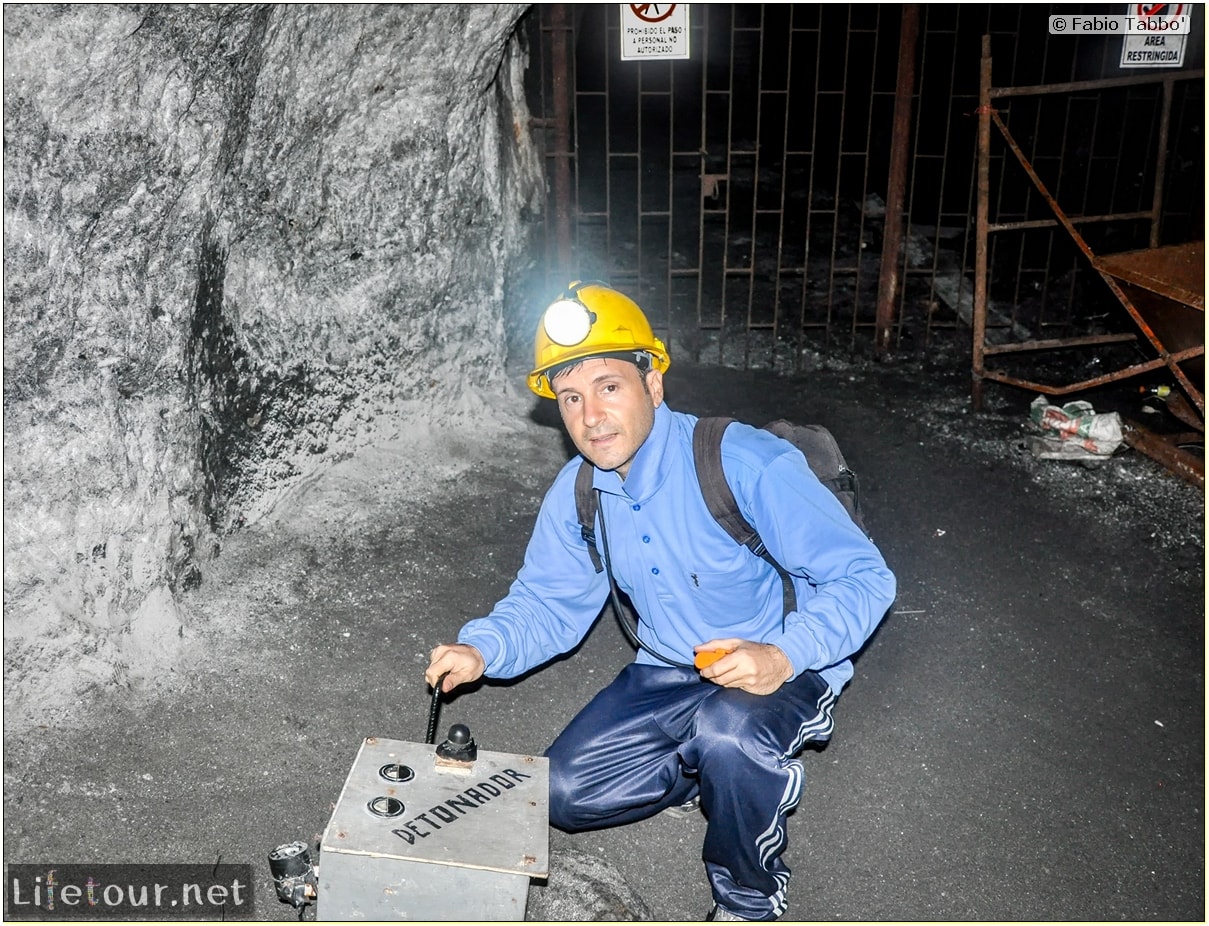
1183, 464
814, 135
1019, 275
839, 166
1079, 85
1074, 220
608, 140
892, 240
911, 192
781, 201
705, 56
1160, 166
562, 90
864, 153
755, 191
1051, 343
1049, 389
671, 195
980, 221
971, 204
999, 206
638, 107
944, 171
730, 109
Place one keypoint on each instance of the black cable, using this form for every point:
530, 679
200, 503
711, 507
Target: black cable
632, 634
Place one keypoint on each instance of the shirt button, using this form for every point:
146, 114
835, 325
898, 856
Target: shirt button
654, 570
636, 507
646, 539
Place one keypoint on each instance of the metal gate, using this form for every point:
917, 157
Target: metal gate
804, 183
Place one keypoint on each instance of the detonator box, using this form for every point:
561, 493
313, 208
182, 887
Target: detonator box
413, 838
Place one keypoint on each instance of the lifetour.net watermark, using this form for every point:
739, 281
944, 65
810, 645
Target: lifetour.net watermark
128, 892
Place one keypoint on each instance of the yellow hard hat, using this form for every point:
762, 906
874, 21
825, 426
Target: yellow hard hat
592, 320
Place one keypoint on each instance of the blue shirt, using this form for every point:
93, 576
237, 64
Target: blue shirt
689, 581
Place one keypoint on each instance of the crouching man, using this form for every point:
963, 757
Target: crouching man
666, 734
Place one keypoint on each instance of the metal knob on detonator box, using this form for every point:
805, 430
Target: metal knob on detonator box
453, 833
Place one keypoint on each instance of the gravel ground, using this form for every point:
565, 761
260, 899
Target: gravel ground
1024, 738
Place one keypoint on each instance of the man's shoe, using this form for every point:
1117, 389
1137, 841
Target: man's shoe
719, 914
685, 810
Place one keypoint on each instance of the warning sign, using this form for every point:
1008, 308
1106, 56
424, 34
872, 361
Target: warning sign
1156, 48
654, 30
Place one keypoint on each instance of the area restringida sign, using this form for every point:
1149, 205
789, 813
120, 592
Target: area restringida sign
1155, 50
654, 30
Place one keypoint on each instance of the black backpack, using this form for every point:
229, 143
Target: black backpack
817, 444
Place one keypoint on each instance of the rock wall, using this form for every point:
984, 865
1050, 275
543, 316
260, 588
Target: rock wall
240, 241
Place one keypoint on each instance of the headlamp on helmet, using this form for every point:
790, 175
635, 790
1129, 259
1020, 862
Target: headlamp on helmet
567, 322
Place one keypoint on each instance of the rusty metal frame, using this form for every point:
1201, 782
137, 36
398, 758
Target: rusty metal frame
713, 301
988, 116
892, 239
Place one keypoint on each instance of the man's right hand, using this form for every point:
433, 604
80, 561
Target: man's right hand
461, 661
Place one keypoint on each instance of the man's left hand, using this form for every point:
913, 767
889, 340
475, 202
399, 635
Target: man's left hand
760, 668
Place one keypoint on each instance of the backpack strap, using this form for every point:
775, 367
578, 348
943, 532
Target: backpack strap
585, 510
707, 458
720, 500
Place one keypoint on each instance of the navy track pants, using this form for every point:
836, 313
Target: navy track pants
656, 737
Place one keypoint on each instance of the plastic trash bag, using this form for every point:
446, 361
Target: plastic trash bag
1073, 431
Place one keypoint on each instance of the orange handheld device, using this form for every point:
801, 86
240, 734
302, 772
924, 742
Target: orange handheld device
709, 657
